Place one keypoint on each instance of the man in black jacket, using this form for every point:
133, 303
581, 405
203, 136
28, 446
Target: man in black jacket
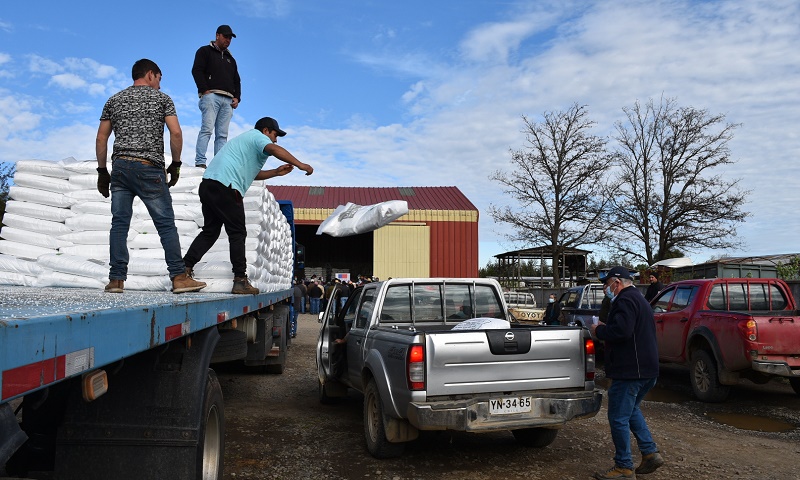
219, 87
655, 287
631, 362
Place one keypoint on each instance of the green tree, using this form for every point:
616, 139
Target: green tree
667, 196
7, 170
557, 180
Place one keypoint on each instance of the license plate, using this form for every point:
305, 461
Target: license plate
502, 406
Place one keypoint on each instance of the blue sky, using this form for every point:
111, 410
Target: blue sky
414, 93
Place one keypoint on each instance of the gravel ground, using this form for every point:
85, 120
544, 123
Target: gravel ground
277, 429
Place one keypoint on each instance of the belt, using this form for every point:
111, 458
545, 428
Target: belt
135, 159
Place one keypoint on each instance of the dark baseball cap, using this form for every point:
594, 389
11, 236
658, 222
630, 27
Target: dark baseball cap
271, 124
617, 272
226, 30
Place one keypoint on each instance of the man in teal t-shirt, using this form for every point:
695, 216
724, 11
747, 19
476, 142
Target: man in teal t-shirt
225, 182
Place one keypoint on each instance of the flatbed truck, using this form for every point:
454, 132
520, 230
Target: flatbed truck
99, 386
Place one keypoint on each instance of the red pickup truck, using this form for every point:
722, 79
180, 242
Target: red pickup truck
725, 329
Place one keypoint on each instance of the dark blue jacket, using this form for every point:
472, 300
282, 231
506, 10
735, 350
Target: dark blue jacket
630, 338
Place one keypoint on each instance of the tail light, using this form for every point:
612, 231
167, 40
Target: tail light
416, 367
588, 351
750, 330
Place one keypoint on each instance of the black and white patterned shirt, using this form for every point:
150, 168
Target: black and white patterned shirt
137, 116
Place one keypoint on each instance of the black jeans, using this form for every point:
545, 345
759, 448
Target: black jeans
221, 206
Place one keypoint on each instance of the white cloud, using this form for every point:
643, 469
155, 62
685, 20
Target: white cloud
38, 64
68, 80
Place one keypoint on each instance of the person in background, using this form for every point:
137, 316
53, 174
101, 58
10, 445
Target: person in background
655, 287
137, 116
220, 89
314, 295
631, 362
223, 188
552, 311
303, 287
298, 295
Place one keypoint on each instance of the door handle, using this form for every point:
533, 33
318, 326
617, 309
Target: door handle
684, 320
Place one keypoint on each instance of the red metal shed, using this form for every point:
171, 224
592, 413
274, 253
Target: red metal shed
437, 238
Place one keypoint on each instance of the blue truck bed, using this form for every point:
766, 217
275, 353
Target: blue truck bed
47, 335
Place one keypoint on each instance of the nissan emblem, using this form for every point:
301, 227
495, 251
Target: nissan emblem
509, 336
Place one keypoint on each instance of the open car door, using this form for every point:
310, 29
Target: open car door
329, 331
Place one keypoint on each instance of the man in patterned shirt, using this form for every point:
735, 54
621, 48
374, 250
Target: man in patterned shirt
137, 116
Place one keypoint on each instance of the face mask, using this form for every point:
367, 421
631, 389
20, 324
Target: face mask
552, 300
609, 293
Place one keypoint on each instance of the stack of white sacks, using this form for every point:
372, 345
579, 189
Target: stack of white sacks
57, 226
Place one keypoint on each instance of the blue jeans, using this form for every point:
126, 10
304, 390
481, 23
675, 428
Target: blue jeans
303, 305
217, 111
344, 300
314, 305
134, 179
624, 417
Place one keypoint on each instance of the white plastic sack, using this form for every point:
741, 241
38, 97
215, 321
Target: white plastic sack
35, 224
94, 252
89, 221
58, 279
153, 284
34, 195
147, 266
352, 219
41, 168
11, 278
87, 237
73, 264
482, 323
43, 212
32, 238
12, 264
81, 166
97, 207
48, 184
80, 181
88, 195
219, 269
22, 250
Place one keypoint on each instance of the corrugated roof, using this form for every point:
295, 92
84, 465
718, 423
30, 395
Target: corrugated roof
418, 198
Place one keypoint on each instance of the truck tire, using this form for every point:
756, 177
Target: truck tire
232, 345
705, 378
374, 431
280, 365
795, 383
211, 444
535, 437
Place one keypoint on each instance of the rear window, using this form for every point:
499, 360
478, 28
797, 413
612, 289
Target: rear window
747, 297
422, 302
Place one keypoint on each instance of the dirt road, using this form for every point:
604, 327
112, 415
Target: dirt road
277, 429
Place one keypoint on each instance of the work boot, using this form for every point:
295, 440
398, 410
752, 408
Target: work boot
115, 286
241, 286
184, 283
614, 473
650, 463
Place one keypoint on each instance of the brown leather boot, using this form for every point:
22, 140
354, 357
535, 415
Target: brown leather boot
115, 286
184, 283
241, 286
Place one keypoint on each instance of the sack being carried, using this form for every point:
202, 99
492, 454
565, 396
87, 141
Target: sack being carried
352, 219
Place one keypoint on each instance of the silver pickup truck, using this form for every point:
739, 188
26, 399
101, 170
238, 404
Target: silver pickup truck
441, 354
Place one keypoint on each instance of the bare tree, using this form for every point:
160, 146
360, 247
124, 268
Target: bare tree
558, 182
666, 198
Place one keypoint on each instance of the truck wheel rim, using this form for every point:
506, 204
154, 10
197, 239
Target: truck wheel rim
701, 376
372, 417
211, 445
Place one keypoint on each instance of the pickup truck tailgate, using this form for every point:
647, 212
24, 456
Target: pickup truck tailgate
778, 334
540, 358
